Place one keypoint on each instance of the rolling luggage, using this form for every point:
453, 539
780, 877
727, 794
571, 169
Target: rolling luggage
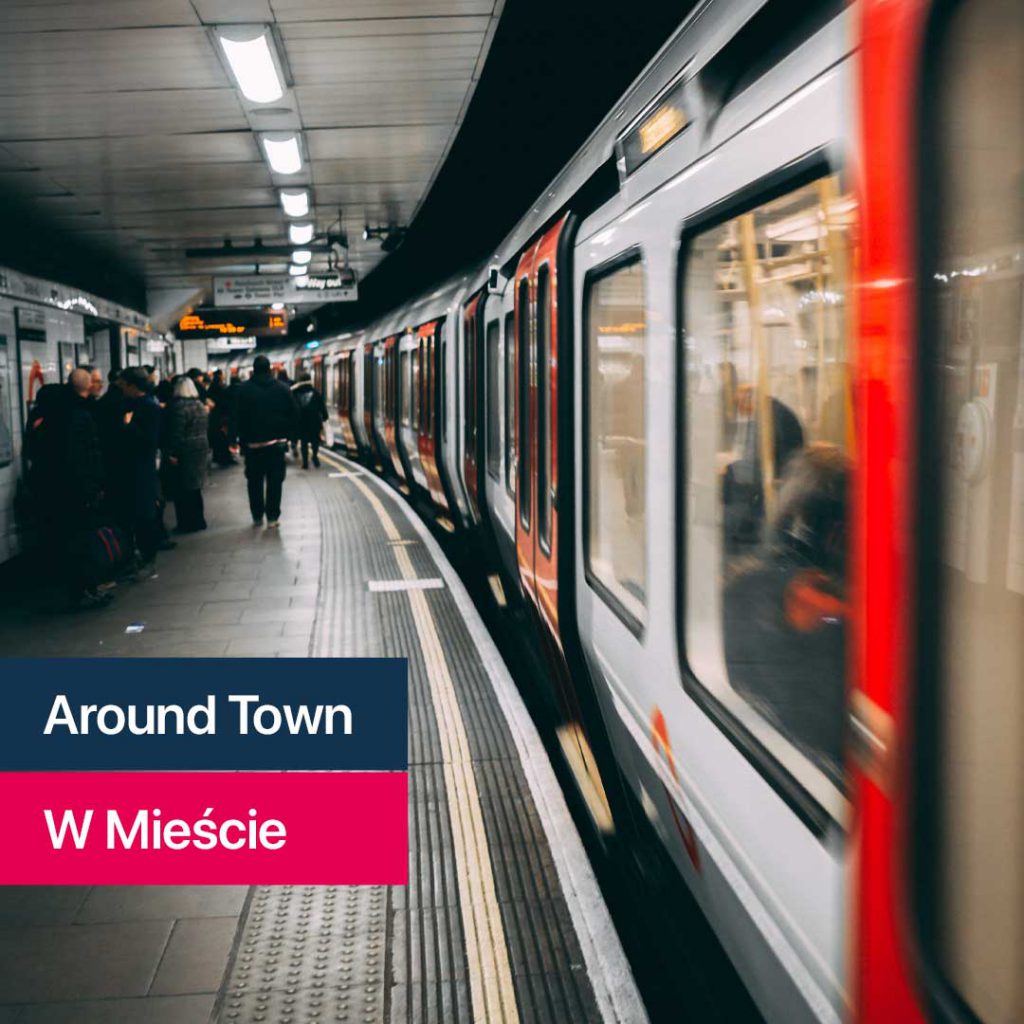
103, 553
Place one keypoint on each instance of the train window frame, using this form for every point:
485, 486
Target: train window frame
545, 428
594, 275
808, 809
926, 678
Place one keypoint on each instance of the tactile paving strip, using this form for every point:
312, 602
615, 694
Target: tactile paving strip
310, 953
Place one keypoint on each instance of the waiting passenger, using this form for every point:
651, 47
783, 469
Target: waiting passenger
312, 416
220, 420
66, 477
267, 420
784, 610
742, 485
185, 452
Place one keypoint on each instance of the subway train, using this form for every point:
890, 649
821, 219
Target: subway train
734, 417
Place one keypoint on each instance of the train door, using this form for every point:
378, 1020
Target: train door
470, 333
429, 447
410, 407
499, 375
537, 414
941, 853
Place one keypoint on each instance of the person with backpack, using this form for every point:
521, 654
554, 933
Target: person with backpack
312, 415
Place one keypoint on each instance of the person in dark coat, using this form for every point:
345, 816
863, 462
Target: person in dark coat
220, 420
66, 477
267, 420
139, 486
108, 414
185, 452
312, 415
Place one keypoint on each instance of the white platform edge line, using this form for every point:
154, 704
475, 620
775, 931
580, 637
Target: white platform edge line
610, 974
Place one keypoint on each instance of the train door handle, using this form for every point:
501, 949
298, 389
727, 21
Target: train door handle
554, 498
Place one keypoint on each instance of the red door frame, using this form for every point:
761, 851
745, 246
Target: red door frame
428, 446
469, 375
538, 565
882, 557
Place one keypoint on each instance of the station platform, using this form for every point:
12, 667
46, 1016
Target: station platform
502, 920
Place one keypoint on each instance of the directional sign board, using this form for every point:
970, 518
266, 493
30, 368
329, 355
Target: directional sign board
265, 289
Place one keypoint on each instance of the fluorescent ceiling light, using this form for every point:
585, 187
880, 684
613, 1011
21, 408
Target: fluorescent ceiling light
298, 271
283, 153
277, 306
300, 234
252, 64
296, 204
302, 257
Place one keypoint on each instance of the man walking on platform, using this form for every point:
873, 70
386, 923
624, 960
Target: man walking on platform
267, 420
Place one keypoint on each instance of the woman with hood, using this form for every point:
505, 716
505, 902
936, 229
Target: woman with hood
186, 449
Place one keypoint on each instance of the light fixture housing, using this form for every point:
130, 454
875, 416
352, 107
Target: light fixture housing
298, 271
302, 257
250, 54
300, 234
284, 154
295, 204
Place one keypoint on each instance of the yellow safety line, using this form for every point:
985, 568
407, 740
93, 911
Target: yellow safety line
490, 975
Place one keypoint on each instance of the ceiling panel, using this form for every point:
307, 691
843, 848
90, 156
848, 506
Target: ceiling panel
120, 122
67, 15
362, 103
77, 115
330, 10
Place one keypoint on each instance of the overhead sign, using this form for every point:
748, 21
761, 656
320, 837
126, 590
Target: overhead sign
210, 323
230, 344
266, 289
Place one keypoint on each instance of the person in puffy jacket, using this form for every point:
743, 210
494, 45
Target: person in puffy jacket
185, 452
312, 415
267, 420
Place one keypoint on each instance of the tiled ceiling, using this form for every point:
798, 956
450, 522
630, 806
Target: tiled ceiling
120, 121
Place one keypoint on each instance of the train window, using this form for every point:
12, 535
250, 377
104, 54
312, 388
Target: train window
615, 457
523, 401
493, 400
767, 461
970, 855
510, 401
544, 385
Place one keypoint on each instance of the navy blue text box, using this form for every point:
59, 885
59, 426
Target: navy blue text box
373, 690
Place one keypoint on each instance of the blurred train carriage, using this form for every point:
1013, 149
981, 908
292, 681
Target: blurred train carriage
735, 416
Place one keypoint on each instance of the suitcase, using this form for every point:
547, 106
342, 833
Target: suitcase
103, 553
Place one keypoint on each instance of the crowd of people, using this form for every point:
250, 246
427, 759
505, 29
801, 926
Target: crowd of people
105, 459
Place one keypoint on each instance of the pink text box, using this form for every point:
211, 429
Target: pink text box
343, 828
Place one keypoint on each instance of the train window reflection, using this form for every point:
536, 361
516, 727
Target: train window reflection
616, 508
768, 400
973, 652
